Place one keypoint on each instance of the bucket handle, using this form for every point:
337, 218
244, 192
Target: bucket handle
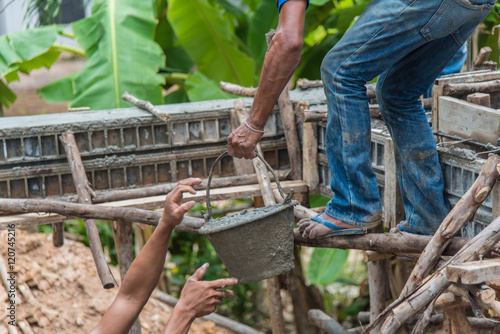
208, 215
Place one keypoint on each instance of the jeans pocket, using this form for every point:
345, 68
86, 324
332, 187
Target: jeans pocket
452, 14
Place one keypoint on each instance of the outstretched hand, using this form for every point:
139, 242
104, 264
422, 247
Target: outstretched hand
199, 298
174, 210
242, 142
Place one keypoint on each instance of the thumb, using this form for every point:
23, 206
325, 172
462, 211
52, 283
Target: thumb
187, 206
198, 275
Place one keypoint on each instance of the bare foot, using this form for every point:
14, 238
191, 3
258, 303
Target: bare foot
397, 229
312, 229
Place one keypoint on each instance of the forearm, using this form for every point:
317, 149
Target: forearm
151, 260
280, 61
179, 322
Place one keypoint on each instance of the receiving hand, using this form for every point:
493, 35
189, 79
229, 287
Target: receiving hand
242, 142
199, 298
174, 210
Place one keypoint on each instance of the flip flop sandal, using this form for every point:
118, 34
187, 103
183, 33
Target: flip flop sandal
338, 230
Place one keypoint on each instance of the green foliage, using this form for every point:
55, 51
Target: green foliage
122, 56
325, 265
208, 40
44, 12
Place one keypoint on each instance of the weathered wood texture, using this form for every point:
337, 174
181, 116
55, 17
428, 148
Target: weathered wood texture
237, 89
189, 224
458, 216
162, 189
393, 202
378, 283
483, 55
310, 162
8, 206
468, 120
84, 192
123, 236
459, 89
291, 135
456, 322
399, 244
145, 105
481, 99
474, 272
219, 320
406, 307
325, 323
58, 234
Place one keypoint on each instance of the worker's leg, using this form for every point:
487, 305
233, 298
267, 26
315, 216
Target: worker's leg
383, 35
398, 91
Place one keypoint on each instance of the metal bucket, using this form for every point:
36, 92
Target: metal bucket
254, 244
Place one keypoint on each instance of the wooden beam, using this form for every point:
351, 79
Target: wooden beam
84, 192
474, 272
148, 203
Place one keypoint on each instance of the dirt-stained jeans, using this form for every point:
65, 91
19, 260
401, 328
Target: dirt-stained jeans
406, 43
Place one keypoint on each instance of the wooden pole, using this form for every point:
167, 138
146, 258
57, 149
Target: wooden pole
84, 196
459, 89
458, 216
58, 234
325, 323
406, 307
291, 136
122, 233
162, 189
273, 284
219, 320
378, 283
399, 244
145, 105
189, 224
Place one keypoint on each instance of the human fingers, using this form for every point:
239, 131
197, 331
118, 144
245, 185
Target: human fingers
222, 283
176, 194
224, 293
200, 272
192, 181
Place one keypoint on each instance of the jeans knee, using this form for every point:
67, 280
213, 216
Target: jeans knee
329, 67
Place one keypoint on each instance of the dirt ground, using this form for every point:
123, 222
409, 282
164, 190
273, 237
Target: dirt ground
28, 101
59, 290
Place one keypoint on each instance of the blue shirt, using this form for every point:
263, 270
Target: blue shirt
281, 2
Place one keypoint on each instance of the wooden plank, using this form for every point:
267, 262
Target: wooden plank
310, 157
393, 202
468, 120
155, 202
474, 272
476, 76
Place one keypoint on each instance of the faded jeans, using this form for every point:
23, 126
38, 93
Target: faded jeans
406, 43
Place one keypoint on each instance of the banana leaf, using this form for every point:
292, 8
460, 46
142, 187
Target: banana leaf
27, 50
209, 41
121, 56
201, 88
262, 20
325, 265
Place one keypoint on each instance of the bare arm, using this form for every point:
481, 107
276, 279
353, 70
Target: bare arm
145, 271
281, 60
198, 298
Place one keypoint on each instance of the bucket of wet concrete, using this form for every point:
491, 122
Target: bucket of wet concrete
253, 244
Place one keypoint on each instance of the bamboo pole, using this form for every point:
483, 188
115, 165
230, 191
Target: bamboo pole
458, 216
84, 196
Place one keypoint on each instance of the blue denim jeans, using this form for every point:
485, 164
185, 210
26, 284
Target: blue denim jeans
406, 43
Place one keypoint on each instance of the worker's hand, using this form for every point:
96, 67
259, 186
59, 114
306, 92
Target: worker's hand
199, 298
174, 210
242, 142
